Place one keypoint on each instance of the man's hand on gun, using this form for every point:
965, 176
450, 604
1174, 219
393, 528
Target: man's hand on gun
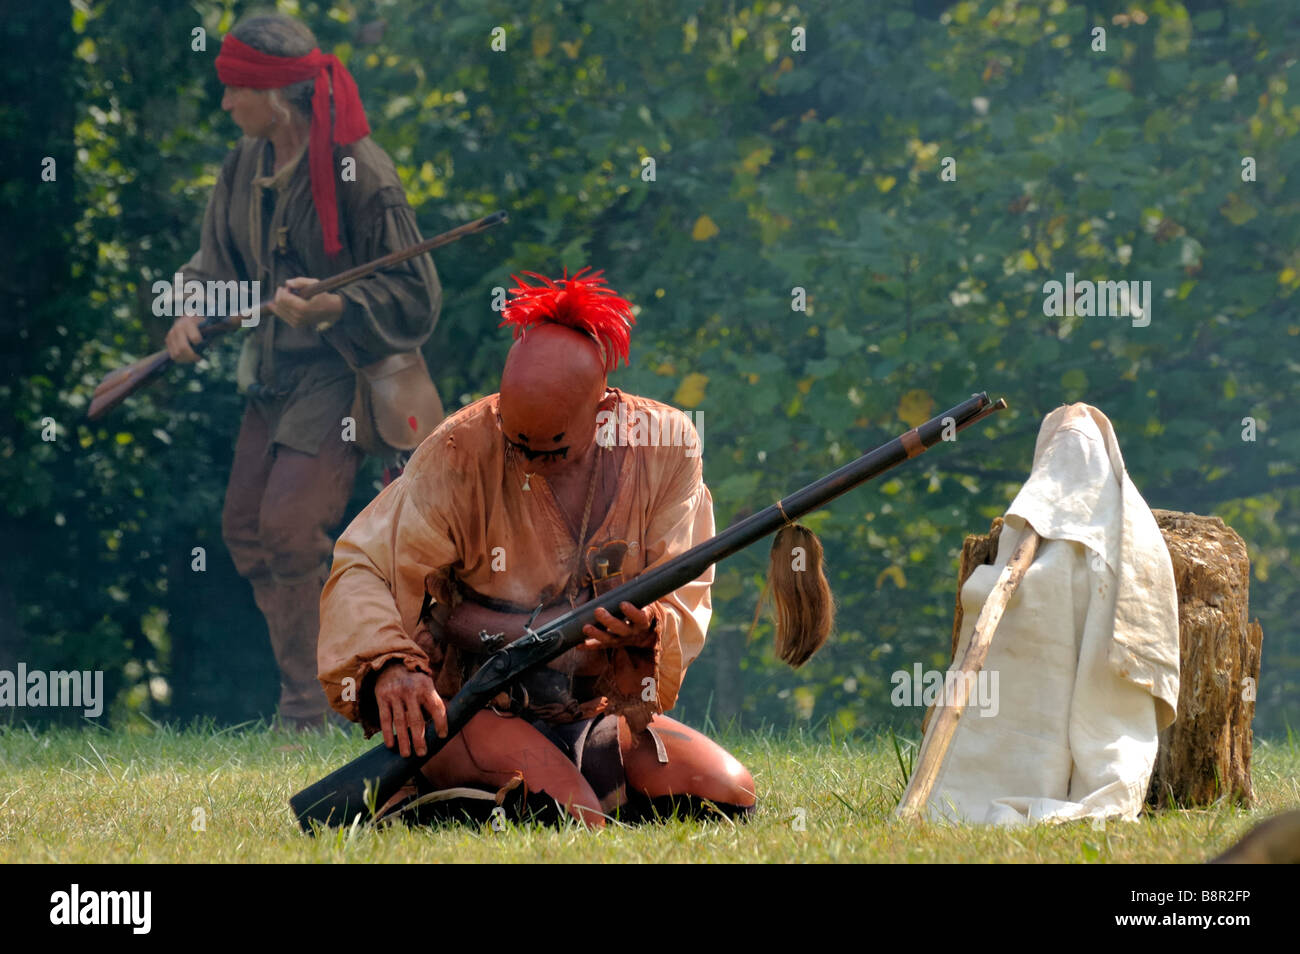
407, 701
638, 632
405, 698
181, 337
318, 312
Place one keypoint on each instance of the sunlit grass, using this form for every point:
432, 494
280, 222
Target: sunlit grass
95, 796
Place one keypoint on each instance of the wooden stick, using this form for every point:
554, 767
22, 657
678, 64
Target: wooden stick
937, 740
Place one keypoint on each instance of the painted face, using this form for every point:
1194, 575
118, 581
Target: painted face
551, 388
549, 439
250, 109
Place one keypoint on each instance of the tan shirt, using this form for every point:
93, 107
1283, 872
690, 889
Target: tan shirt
460, 506
261, 225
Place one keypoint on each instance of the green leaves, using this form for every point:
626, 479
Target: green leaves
773, 169
1109, 104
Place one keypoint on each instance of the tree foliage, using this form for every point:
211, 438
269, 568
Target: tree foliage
779, 164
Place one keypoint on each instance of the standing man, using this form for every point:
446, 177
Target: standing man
304, 195
518, 508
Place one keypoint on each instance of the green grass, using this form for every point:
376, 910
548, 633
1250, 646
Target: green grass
96, 796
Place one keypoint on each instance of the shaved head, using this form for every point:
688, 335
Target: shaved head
553, 380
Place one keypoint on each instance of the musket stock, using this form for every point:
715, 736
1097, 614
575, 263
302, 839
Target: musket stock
122, 383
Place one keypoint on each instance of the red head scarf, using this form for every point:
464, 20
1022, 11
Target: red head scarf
238, 64
584, 304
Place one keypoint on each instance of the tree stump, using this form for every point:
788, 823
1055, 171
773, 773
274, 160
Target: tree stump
1205, 754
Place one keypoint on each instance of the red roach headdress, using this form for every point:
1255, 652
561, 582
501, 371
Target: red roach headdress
584, 304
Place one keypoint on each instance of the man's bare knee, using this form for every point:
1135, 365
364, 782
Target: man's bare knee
723, 780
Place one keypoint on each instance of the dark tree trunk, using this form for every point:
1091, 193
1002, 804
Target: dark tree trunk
1205, 754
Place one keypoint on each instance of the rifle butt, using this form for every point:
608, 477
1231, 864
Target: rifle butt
115, 379
122, 383
337, 798
119, 385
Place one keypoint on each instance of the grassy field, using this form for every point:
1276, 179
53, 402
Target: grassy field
94, 796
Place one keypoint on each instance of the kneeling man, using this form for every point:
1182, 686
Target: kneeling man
516, 509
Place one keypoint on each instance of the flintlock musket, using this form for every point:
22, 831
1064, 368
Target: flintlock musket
341, 796
122, 383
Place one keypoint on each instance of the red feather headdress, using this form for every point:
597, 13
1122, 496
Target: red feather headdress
584, 304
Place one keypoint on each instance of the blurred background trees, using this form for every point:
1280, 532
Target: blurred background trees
779, 163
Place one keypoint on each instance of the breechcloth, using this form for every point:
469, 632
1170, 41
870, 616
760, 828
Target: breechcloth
592, 746
281, 506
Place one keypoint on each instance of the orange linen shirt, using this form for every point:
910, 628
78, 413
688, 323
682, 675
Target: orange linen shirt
459, 506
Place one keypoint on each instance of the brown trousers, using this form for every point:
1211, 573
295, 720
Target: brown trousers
281, 507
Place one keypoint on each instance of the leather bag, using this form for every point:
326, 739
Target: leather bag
396, 405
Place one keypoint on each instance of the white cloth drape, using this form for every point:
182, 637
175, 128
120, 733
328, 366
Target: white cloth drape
1086, 654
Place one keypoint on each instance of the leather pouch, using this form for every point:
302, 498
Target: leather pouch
396, 405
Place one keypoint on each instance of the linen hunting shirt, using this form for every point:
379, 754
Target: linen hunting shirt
459, 513
261, 225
